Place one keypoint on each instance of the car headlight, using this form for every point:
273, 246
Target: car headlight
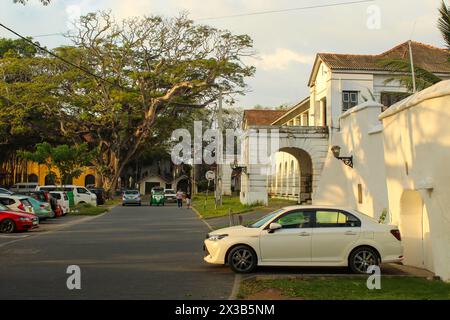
216, 237
24, 219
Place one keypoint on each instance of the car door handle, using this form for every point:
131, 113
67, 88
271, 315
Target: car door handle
304, 234
350, 233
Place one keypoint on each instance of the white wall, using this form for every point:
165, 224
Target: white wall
417, 157
360, 137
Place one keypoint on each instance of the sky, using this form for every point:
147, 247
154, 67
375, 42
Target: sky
286, 43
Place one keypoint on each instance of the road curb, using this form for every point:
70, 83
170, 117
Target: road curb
201, 218
237, 277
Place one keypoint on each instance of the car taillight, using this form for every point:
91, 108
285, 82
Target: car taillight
21, 207
396, 234
42, 206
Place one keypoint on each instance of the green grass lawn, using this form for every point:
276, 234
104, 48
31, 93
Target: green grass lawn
230, 202
344, 288
88, 210
207, 208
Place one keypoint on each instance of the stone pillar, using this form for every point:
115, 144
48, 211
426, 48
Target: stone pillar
254, 185
226, 180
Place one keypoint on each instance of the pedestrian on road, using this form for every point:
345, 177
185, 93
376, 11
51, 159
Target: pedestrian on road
180, 198
188, 200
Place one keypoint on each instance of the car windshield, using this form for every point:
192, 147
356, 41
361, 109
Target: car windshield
131, 192
34, 202
265, 219
169, 191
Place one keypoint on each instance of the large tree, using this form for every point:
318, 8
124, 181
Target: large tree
146, 70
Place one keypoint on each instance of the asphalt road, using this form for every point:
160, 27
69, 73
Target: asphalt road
129, 253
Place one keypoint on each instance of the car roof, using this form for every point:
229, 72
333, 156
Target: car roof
13, 196
310, 207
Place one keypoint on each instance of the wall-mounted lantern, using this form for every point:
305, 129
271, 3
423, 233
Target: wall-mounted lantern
348, 161
236, 166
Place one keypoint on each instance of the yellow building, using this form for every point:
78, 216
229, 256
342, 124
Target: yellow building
39, 173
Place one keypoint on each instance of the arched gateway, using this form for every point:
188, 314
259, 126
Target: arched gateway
263, 174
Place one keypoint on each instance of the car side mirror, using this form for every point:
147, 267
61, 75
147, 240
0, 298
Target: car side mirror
274, 226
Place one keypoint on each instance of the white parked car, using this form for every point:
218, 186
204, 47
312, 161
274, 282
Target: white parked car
63, 200
23, 187
80, 194
5, 191
306, 236
170, 195
16, 203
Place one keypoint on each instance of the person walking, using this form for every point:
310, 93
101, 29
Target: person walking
188, 200
180, 198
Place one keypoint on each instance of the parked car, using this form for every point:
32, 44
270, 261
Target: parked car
62, 200
306, 236
5, 191
16, 203
80, 194
11, 221
100, 193
24, 187
38, 195
131, 197
170, 195
41, 209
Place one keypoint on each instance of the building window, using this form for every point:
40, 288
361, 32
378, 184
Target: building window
349, 99
389, 98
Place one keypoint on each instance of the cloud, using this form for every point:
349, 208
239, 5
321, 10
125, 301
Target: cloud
281, 59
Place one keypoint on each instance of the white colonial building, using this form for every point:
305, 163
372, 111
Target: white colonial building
394, 152
338, 82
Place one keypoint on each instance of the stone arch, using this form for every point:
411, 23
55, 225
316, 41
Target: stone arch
304, 188
415, 230
33, 178
50, 179
89, 180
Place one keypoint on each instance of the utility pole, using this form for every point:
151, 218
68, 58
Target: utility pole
413, 72
219, 152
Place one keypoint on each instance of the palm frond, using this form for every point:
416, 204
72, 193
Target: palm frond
444, 23
424, 78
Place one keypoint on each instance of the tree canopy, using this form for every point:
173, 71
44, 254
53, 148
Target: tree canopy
138, 79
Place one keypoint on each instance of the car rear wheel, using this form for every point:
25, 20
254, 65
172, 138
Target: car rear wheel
242, 259
7, 226
362, 258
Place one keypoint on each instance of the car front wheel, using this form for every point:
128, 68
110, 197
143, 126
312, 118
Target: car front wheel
7, 226
362, 258
242, 259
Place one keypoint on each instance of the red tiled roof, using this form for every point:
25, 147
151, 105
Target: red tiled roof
427, 57
262, 117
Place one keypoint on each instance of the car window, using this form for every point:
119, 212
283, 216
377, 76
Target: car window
25, 202
295, 219
56, 195
6, 201
265, 219
82, 190
3, 208
335, 219
131, 192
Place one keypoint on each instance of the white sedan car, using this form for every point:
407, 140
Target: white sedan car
306, 236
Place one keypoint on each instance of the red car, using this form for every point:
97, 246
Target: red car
11, 221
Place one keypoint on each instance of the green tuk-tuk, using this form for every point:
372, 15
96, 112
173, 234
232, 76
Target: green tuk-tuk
157, 196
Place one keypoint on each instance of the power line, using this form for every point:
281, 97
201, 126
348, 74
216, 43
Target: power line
287, 10
48, 35
56, 56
